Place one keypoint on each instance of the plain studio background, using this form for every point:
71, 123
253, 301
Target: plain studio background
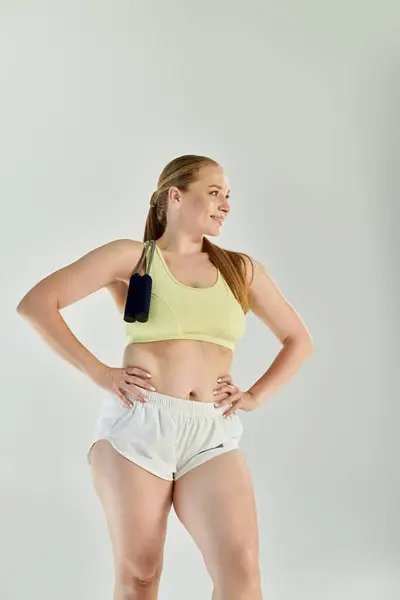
299, 102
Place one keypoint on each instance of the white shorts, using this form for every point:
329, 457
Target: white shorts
167, 436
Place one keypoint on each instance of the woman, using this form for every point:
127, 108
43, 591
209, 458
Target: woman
169, 431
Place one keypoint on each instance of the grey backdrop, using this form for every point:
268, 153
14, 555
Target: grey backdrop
299, 102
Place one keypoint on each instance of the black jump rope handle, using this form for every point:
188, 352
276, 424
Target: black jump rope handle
137, 305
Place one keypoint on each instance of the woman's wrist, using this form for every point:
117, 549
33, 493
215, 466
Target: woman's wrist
94, 369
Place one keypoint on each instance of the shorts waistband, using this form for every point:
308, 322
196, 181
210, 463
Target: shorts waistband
180, 405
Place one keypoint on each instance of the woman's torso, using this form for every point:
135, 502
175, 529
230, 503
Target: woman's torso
183, 368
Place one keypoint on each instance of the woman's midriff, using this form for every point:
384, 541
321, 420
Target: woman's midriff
186, 369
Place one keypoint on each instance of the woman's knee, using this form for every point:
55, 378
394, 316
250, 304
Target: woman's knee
133, 588
240, 564
143, 569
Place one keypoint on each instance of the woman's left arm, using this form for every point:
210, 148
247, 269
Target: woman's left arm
269, 304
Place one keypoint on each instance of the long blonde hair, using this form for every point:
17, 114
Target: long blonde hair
180, 173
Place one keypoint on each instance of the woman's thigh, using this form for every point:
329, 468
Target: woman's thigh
136, 505
216, 504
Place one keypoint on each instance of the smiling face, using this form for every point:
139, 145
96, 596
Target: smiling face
206, 198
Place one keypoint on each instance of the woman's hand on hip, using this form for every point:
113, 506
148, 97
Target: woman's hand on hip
119, 380
232, 395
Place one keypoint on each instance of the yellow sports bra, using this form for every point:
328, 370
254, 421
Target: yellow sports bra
178, 311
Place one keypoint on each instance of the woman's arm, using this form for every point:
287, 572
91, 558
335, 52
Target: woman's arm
41, 306
119, 292
270, 305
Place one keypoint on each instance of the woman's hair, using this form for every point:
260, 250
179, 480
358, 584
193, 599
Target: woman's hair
180, 173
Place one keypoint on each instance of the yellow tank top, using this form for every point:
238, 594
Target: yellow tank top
178, 311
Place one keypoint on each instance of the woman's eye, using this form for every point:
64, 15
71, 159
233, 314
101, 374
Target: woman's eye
216, 191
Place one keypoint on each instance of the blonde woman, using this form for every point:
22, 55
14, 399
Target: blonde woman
169, 428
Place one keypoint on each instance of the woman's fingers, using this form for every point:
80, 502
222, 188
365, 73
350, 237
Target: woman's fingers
138, 371
133, 391
125, 400
119, 393
138, 381
224, 389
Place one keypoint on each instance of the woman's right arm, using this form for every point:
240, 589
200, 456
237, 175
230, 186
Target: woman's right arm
41, 306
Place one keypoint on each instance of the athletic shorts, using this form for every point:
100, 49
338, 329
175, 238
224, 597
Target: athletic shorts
167, 436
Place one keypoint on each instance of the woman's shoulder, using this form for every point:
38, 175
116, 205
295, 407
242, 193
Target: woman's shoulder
128, 252
250, 265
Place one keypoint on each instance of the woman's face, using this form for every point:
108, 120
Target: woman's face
207, 196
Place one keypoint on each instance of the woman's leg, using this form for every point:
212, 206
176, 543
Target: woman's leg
136, 504
216, 504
